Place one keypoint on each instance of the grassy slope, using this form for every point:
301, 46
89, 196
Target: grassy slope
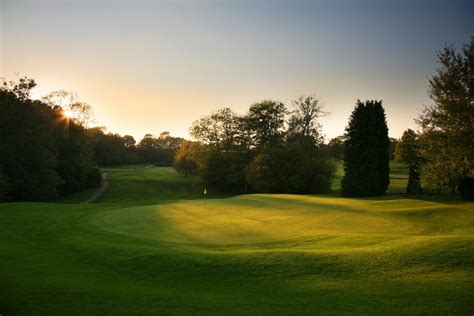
250, 253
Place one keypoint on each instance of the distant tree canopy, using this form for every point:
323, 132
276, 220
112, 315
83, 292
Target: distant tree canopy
190, 158
447, 127
270, 149
392, 148
366, 155
70, 102
112, 149
335, 147
47, 149
44, 153
406, 151
159, 150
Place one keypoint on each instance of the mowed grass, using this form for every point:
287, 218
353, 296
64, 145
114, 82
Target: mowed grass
152, 245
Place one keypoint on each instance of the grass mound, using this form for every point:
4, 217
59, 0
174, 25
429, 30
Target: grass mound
150, 245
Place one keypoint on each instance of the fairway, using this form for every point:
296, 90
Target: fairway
152, 245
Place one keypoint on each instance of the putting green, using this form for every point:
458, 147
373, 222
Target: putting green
150, 246
254, 219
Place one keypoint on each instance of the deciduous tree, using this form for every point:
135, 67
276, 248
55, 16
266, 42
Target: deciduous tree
447, 138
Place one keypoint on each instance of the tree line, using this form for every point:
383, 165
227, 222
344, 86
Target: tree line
111, 149
269, 149
47, 150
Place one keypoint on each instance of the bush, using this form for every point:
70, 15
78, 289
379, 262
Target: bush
413, 185
94, 178
322, 175
225, 171
4, 188
290, 169
466, 188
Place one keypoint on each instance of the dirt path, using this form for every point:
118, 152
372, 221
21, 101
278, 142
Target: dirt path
103, 186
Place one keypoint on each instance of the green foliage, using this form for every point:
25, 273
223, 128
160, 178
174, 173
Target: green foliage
159, 150
290, 169
366, 157
44, 153
75, 160
414, 184
28, 148
190, 158
93, 178
303, 125
466, 188
225, 170
335, 147
266, 121
113, 149
447, 138
392, 148
4, 187
256, 152
406, 151
222, 129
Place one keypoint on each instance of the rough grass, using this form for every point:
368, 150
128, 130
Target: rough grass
152, 245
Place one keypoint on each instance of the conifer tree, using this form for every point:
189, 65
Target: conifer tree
366, 151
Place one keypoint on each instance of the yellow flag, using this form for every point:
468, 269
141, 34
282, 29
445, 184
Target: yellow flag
205, 191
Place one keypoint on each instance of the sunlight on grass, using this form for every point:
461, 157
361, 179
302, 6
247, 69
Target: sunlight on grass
151, 243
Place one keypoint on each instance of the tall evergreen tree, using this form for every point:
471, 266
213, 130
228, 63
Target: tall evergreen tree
366, 151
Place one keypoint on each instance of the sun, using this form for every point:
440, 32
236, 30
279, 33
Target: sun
69, 114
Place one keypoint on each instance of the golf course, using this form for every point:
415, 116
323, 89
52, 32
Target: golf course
152, 244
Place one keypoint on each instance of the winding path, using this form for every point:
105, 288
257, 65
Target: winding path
103, 186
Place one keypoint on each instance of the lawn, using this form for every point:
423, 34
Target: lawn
152, 245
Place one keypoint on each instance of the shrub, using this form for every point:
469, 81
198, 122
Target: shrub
94, 178
466, 188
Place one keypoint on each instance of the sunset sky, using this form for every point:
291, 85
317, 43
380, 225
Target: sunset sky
151, 66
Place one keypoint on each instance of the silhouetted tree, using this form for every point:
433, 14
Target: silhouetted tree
255, 151
303, 125
21, 89
392, 148
366, 156
335, 147
82, 113
220, 129
44, 154
290, 168
266, 121
159, 150
466, 188
28, 158
407, 151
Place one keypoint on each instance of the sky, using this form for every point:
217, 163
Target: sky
153, 66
